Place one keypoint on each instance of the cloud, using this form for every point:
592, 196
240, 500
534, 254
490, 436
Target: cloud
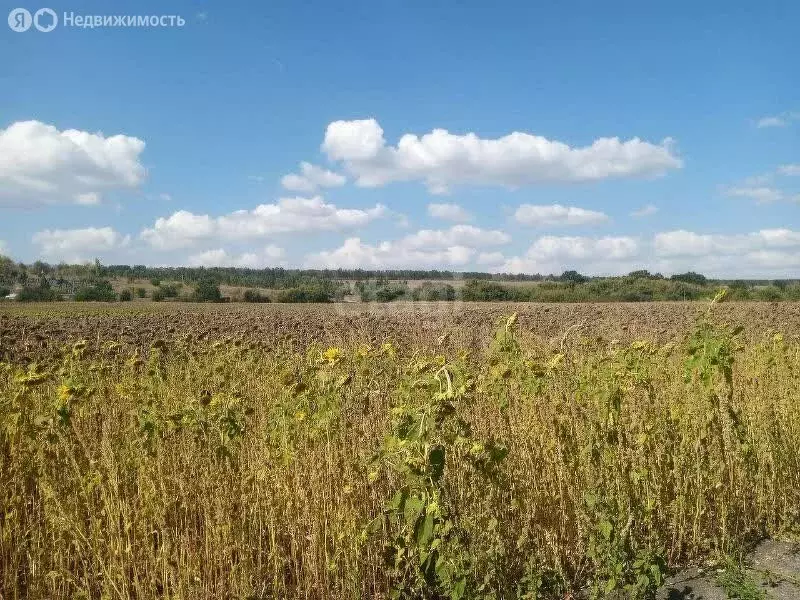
41, 165
268, 256
441, 159
457, 235
554, 254
490, 258
289, 215
556, 214
426, 249
762, 194
311, 179
687, 243
790, 170
646, 211
4, 250
76, 245
449, 212
764, 253
780, 120
180, 229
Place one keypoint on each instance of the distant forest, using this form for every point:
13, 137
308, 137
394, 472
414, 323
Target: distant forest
42, 281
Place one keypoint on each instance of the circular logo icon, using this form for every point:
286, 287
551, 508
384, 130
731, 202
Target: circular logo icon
19, 20
45, 19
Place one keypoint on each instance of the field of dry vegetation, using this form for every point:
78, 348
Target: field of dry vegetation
411, 451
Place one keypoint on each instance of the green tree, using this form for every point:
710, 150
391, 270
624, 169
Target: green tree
207, 291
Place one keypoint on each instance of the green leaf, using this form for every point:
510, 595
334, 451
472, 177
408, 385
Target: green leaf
436, 463
424, 531
605, 528
413, 509
398, 500
460, 586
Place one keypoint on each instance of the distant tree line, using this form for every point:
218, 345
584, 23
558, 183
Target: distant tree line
41, 281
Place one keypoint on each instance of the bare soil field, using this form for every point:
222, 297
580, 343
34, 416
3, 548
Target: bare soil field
45, 328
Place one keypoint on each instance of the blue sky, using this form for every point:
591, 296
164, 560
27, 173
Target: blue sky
513, 136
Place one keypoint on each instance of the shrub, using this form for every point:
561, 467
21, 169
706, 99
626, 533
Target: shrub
485, 291
303, 295
391, 292
40, 293
99, 291
206, 291
254, 296
573, 277
690, 277
769, 293
141, 292
171, 290
125, 296
432, 292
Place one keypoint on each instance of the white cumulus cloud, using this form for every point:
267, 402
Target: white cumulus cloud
219, 257
289, 215
556, 214
764, 253
41, 165
449, 248
553, 254
688, 243
312, 178
76, 245
442, 159
448, 212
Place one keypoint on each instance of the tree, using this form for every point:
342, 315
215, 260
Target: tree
99, 291
690, 277
9, 272
254, 296
207, 291
573, 277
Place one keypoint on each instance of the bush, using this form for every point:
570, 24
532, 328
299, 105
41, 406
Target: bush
573, 277
99, 291
155, 281
158, 295
485, 291
303, 295
4, 291
206, 291
390, 292
690, 277
37, 294
432, 292
254, 296
171, 290
125, 296
769, 293
141, 292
